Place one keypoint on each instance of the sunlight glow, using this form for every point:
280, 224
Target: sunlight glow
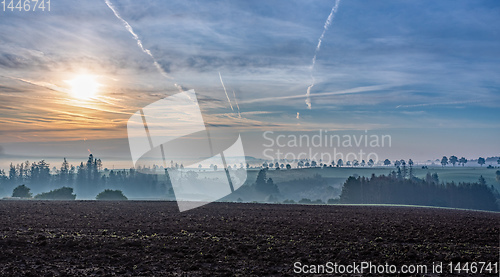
84, 87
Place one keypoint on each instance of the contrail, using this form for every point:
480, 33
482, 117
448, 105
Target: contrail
237, 106
139, 42
340, 92
435, 104
229, 100
39, 84
328, 22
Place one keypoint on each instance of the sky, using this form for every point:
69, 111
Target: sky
423, 72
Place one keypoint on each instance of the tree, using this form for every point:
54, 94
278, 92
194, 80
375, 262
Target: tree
363, 163
453, 160
264, 185
444, 161
21, 172
313, 164
99, 164
462, 161
288, 166
271, 187
498, 161
387, 162
371, 162
397, 163
109, 194
3, 177
333, 163
410, 163
22, 191
481, 161
261, 177
340, 163
12, 173
64, 171
403, 164
482, 181
355, 163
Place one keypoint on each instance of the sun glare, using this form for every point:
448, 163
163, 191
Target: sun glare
84, 87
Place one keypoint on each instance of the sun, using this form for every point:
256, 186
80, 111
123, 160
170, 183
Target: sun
84, 87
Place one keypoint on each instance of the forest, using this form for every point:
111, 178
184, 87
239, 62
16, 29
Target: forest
393, 189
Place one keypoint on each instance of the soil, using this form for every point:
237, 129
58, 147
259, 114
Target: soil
133, 238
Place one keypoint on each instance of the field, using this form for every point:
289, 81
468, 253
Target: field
133, 238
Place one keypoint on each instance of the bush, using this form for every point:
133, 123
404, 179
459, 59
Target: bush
333, 201
271, 199
305, 201
64, 193
22, 191
317, 201
109, 194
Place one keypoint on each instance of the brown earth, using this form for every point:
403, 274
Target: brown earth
44, 238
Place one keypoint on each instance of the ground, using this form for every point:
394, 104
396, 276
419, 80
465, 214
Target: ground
47, 238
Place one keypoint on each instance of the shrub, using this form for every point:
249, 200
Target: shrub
333, 201
64, 193
271, 199
318, 201
109, 194
22, 191
305, 201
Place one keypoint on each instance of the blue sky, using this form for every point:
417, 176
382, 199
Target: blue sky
424, 71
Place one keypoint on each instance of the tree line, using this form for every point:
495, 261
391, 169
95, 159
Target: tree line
306, 163
393, 189
88, 179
